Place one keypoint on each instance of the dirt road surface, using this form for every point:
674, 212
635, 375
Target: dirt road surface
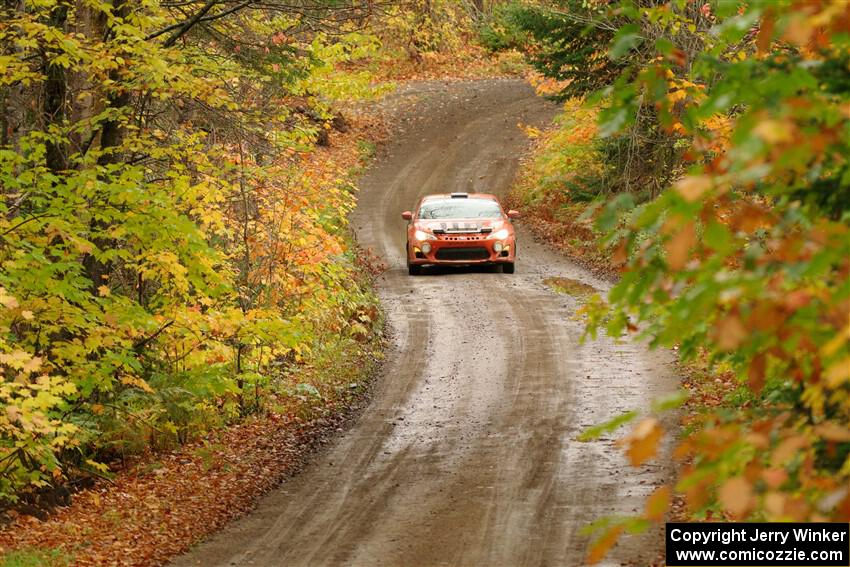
467, 453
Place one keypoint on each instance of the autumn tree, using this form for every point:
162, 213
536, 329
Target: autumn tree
744, 260
161, 251
593, 49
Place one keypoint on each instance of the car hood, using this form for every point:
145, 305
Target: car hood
471, 225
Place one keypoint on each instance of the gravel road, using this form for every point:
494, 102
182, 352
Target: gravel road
467, 454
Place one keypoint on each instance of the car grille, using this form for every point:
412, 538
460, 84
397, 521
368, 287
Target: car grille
470, 253
467, 237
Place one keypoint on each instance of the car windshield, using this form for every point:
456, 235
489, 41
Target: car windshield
438, 209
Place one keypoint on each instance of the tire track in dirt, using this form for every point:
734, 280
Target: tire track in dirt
467, 452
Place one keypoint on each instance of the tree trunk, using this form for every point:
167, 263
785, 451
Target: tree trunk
53, 98
111, 137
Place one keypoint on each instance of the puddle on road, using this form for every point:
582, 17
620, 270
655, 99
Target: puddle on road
574, 288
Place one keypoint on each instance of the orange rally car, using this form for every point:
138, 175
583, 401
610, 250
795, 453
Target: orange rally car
460, 229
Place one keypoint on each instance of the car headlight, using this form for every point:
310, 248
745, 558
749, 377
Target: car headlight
422, 235
426, 248
500, 234
498, 247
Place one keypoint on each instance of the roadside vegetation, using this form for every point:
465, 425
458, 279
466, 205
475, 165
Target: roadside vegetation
705, 144
560, 180
178, 277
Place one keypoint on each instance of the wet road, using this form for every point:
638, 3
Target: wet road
467, 453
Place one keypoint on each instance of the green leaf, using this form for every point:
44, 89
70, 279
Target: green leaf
609, 426
627, 38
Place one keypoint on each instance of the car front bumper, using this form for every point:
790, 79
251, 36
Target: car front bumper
461, 251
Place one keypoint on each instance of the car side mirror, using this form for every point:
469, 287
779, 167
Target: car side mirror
512, 214
407, 215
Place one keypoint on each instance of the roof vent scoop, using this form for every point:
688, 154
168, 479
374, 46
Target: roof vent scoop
460, 195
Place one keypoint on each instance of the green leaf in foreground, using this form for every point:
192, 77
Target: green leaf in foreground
609, 426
